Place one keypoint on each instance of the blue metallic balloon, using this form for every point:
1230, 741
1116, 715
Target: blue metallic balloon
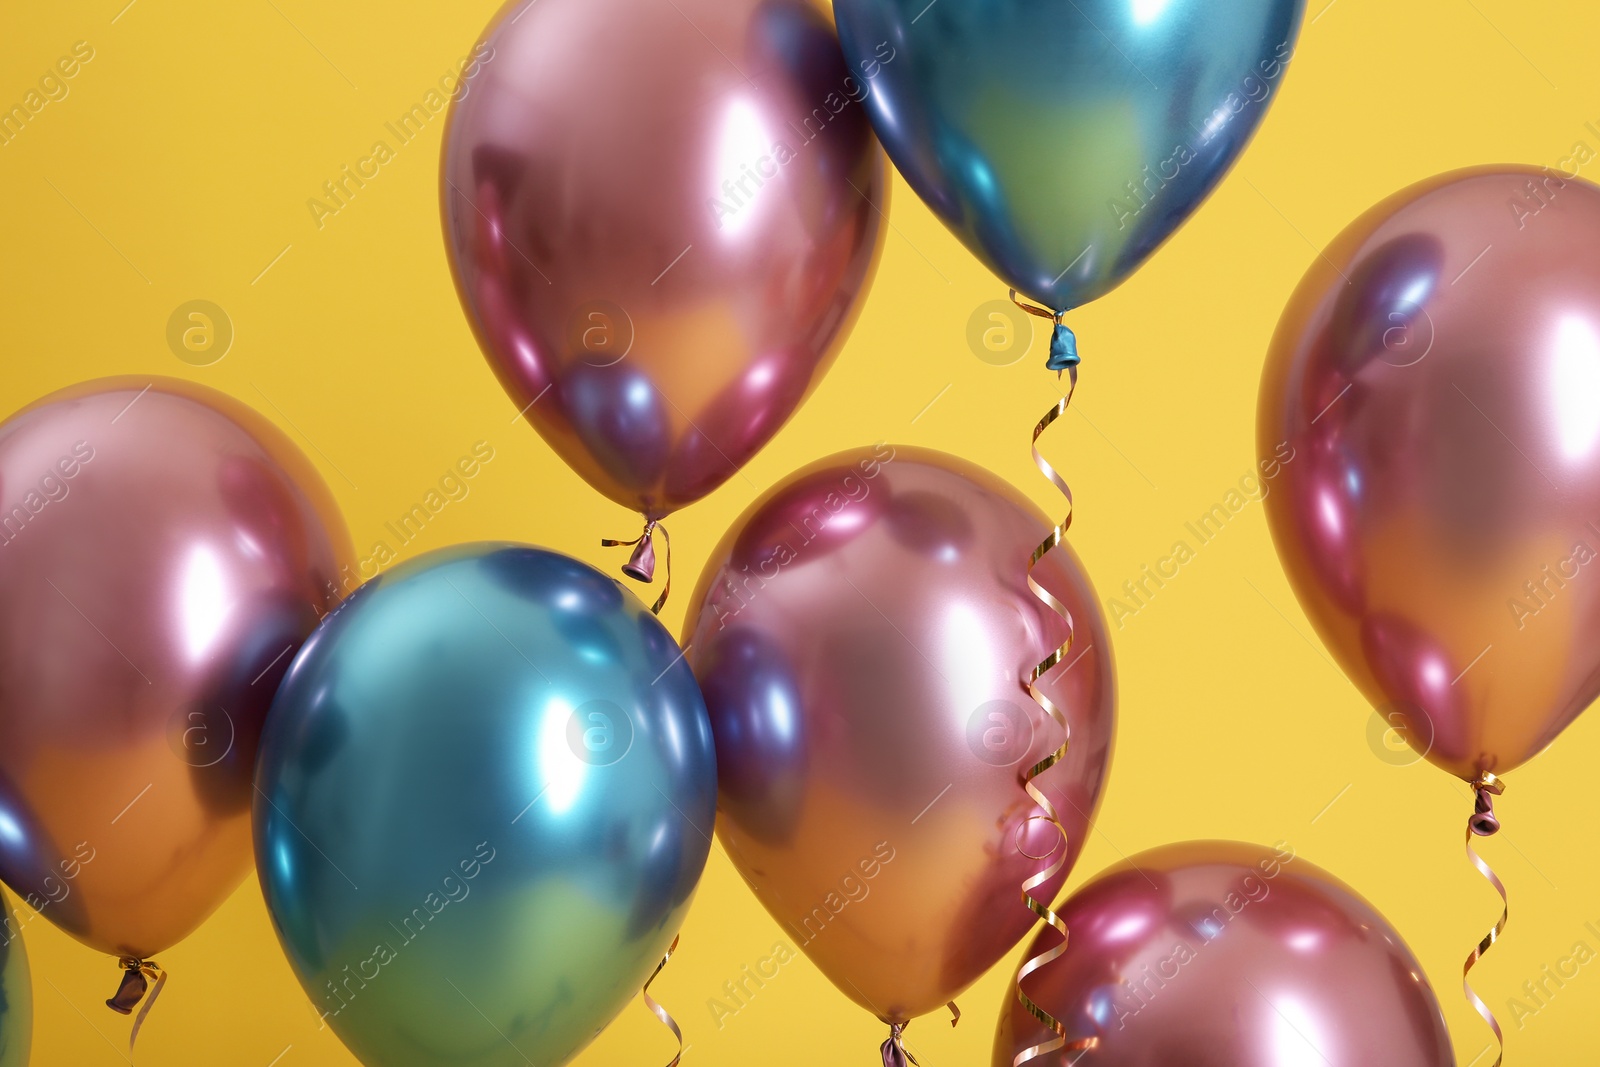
485, 797
16, 992
1064, 140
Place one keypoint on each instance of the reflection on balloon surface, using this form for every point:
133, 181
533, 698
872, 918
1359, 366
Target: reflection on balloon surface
661, 218
1437, 376
1217, 953
1063, 142
163, 552
16, 991
861, 634
487, 783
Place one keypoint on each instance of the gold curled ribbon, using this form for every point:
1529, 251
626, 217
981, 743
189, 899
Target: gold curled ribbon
135, 981
1058, 1040
1482, 823
650, 1002
641, 566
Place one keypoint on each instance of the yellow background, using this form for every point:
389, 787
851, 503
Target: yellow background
179, 167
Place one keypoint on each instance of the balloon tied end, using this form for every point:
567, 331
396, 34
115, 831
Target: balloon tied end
1483, 822
136, 977
893, 1049
1063, 349
641, 565
1063, 342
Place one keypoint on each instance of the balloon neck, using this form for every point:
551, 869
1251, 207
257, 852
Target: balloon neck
641, 565
893, 1048
1063, 342
1063, 349
132, 990
1483, 822
136, 975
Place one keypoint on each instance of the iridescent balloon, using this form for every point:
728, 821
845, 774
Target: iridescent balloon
861, 634
661, 218
1219, 954
1436, 380
16, 991
1064, 140
485, 797
164, 550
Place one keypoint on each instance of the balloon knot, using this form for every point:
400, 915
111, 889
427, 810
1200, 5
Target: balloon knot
1063, 349
133, 987
894, 1050
641, 565
1063, 342
1483, 822
136, 976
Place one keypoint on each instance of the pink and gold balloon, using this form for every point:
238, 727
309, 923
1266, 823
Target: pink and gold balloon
1219, 954
1436, 378
861, 635
661, 218
164, 550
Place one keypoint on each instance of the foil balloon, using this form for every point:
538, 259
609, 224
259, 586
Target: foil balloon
1219, 954
661, 218
861, 635
486, 794
1064, 141
1436, 379
16, 991
164, 550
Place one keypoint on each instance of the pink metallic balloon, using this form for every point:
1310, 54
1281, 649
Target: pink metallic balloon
1436, 378
1219, 954
164, 550
860, 635
660, 217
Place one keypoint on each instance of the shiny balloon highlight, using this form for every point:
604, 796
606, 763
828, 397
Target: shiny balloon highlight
1213, 952
486, 795
861, 635
661, 219
164, 551
1064, 141
1436, 377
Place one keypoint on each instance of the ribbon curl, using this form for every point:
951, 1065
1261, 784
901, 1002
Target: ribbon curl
136, 975
1482, 823
1063, 358
651, 1003
641, 565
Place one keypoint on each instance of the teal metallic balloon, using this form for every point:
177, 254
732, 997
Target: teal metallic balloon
1064, 140
16, 991
485, 796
